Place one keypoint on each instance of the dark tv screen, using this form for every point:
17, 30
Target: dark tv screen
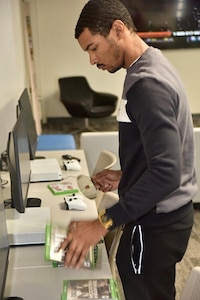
19, 163
24, 103
167, 24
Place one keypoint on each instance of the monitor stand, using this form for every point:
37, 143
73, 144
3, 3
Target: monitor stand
14, 298
39, 157
33, 202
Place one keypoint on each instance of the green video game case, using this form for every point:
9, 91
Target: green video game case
62, 188
83, 289
54, 236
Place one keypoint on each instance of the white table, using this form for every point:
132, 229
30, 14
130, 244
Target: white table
56, 203
29, 275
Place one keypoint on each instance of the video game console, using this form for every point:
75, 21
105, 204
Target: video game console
75, 202
71, 165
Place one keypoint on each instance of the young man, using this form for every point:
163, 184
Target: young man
157, 180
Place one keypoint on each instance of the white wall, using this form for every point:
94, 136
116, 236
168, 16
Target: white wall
187, 62
58, 54
12, 69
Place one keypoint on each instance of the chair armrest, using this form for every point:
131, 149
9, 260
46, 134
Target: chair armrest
101, 99
79, 110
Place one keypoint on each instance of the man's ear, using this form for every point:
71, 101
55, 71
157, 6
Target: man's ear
118, 28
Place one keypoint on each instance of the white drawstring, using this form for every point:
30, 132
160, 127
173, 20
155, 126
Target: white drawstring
137, 265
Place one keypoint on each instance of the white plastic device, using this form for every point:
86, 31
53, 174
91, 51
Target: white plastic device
75, 202
71, 165
86, 186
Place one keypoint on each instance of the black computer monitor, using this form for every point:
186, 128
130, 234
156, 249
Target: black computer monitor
24, 103
4, 246
19, 163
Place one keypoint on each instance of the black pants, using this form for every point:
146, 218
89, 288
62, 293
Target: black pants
147, 258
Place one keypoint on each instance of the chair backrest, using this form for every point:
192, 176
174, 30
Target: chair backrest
191, 290
108, 200
74, 89
106, 160
94, 142
56, 142
112, 238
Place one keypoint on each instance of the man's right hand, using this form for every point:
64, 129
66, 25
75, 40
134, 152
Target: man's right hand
107, 180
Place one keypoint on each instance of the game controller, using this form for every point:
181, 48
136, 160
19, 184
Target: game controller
69, 157
75, 202
71, 165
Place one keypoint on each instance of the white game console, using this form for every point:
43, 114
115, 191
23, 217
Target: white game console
29, 227
47, 169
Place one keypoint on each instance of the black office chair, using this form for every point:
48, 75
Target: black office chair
82, 102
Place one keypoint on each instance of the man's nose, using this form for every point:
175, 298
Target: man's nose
93, 59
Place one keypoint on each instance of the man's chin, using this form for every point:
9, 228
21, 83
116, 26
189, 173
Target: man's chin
115, 69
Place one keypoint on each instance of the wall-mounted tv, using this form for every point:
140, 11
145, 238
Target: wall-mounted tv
167, 24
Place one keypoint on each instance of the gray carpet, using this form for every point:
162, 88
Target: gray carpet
192, 256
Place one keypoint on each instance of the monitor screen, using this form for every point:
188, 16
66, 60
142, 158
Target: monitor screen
167, 24
19, 163
4, 246
24, 103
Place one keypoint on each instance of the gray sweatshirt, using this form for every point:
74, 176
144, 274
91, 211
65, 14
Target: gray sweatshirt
156, 145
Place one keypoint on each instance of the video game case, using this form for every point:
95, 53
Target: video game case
62, 188
54, 236
90, 289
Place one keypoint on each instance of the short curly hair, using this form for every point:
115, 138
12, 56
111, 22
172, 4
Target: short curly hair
99, 15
